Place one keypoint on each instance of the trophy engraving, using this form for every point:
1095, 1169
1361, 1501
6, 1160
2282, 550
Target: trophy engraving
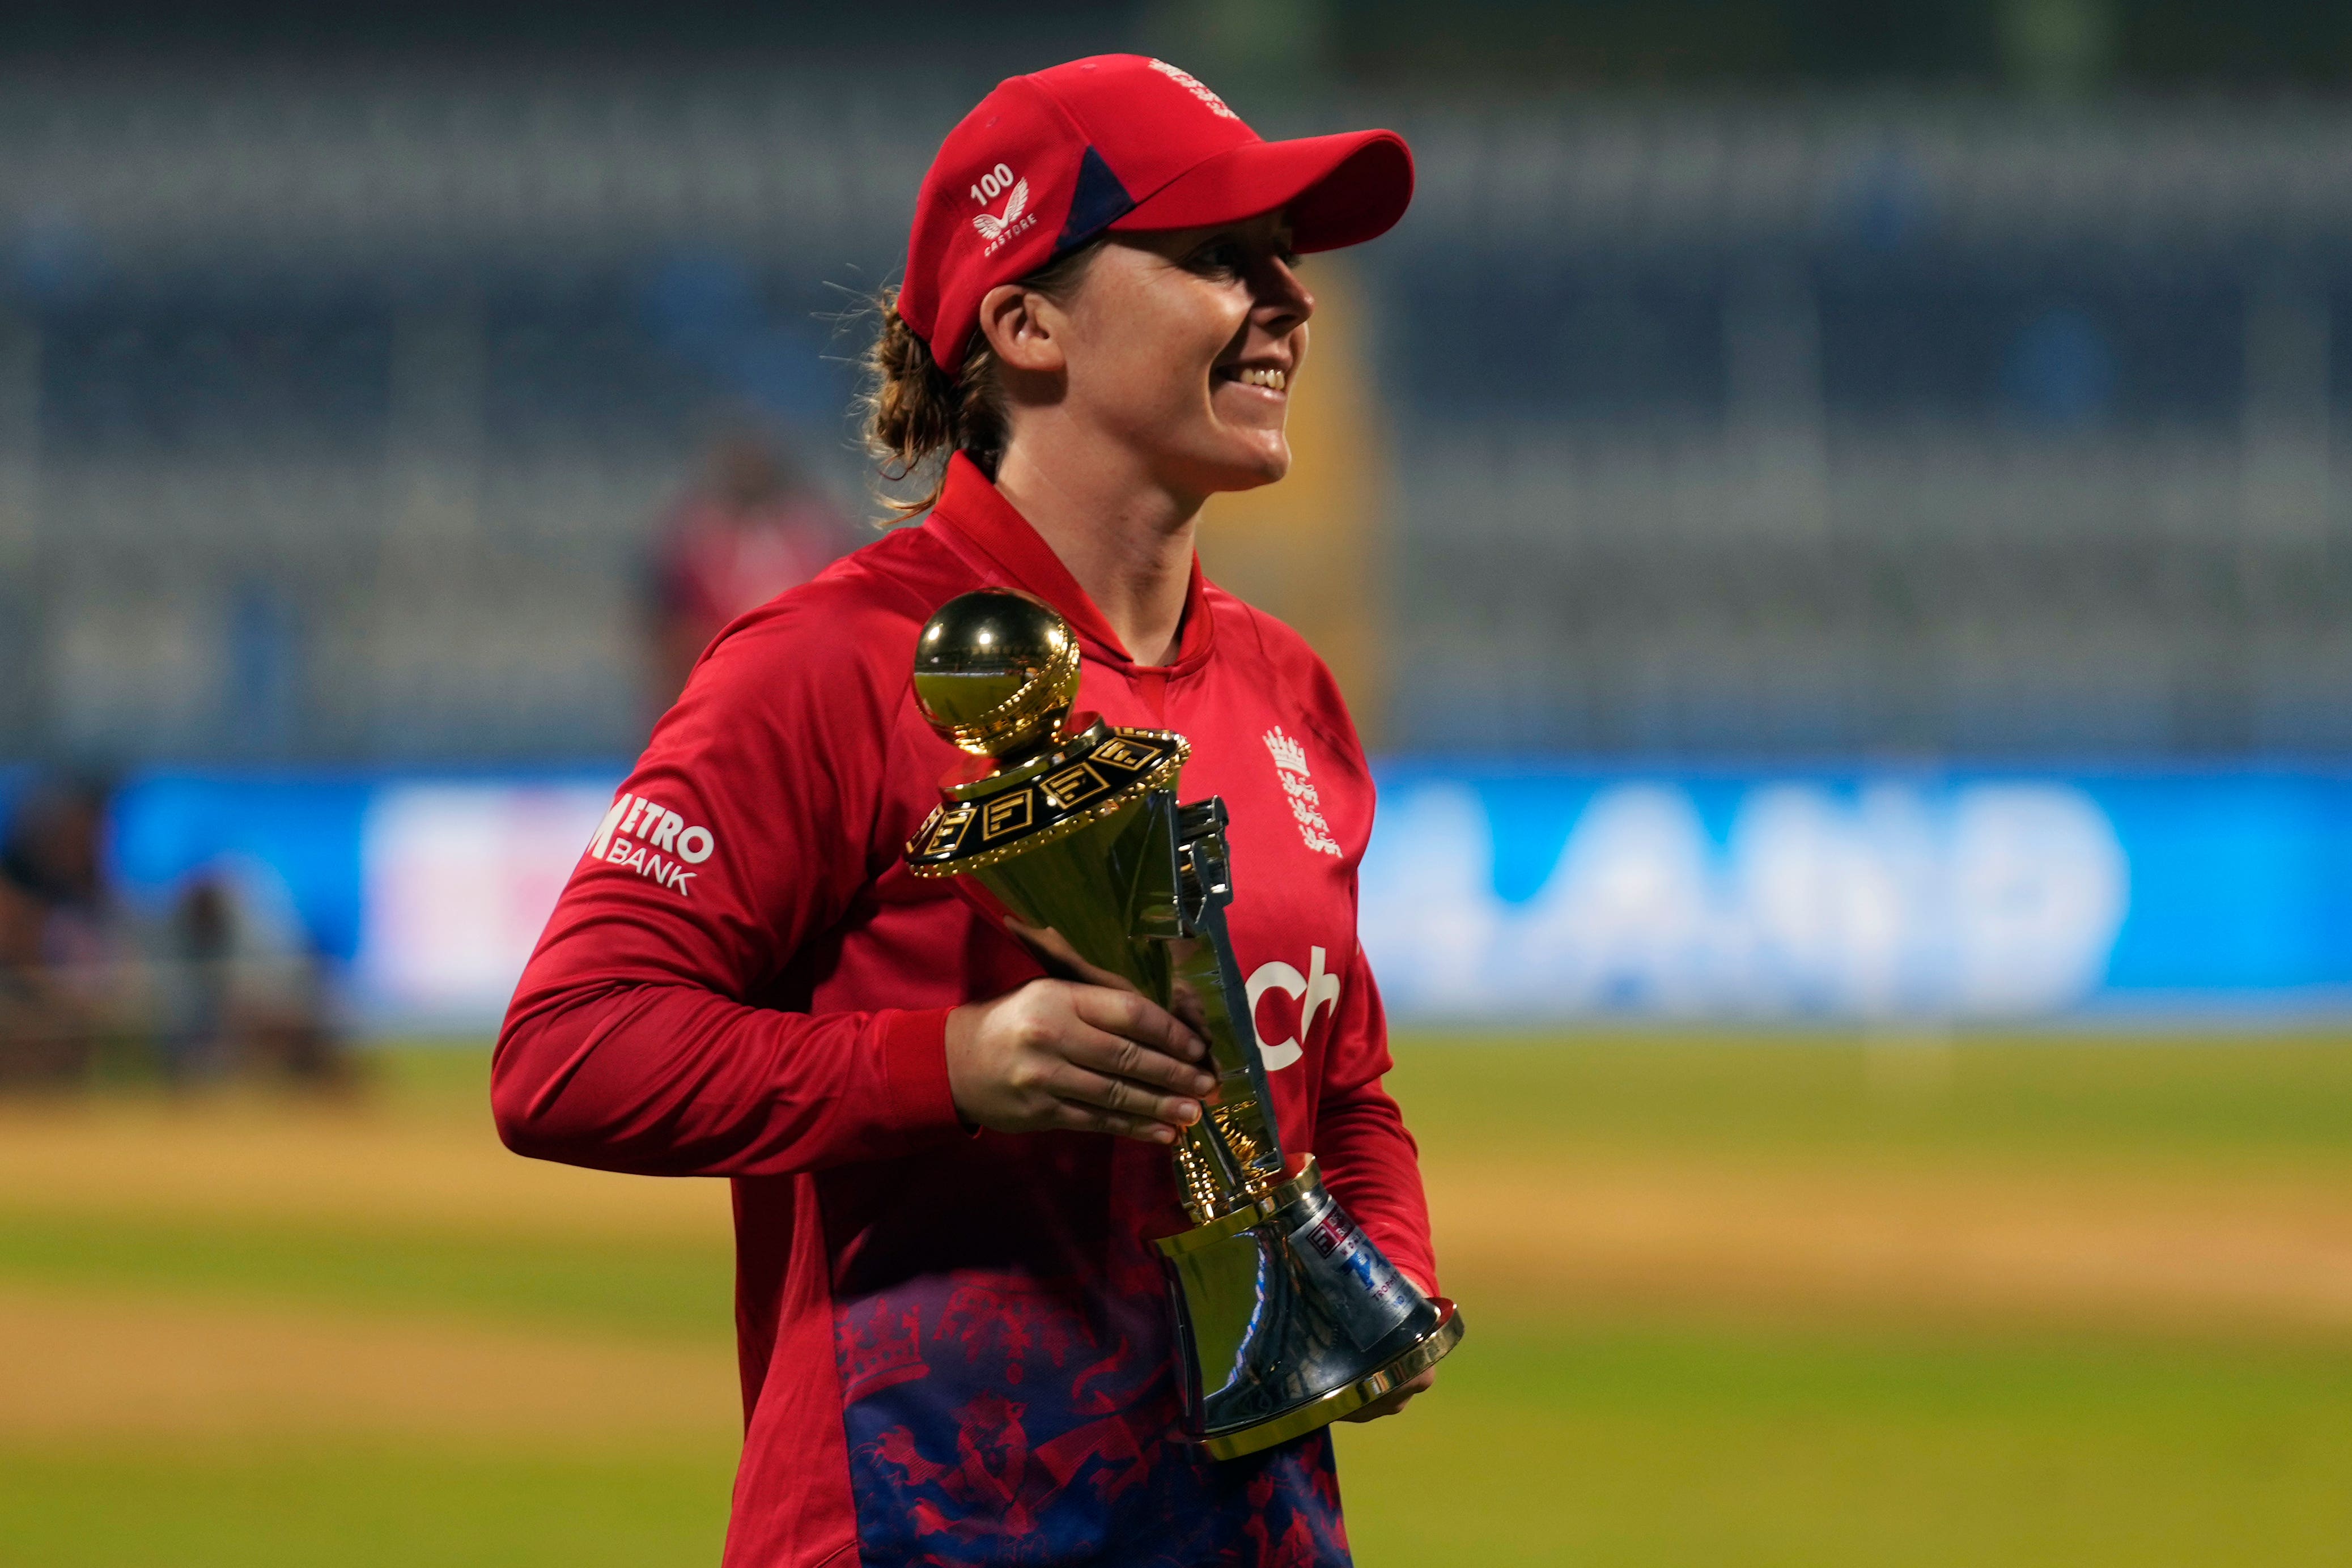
1065, 831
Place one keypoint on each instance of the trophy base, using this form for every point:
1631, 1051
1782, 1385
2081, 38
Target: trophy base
1342, 1402
1288, 1318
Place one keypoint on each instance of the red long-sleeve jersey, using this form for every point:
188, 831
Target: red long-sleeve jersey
954, 1345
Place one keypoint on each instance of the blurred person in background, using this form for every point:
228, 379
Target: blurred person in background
240, 992
753, 527
223, 983
45, 1037
954, 1338
67, 942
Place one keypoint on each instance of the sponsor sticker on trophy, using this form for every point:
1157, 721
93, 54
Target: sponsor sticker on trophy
1372, 1297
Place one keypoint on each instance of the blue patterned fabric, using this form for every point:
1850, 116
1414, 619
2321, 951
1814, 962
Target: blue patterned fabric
998, 1419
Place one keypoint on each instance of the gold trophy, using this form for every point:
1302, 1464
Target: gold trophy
1065, 831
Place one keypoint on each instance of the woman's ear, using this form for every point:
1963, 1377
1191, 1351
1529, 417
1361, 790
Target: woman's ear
1022, 327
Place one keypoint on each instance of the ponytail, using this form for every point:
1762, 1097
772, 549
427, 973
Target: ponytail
917, 415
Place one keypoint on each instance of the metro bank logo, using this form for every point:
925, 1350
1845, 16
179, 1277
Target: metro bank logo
642, 835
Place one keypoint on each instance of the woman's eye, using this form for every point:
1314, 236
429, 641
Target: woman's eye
1224, 256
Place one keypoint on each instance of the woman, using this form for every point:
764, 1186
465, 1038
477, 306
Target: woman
954, 1340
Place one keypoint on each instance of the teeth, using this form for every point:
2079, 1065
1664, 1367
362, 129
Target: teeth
1274, 381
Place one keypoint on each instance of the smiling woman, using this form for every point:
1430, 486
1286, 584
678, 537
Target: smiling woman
950, 1169
1225, 300
1169, 352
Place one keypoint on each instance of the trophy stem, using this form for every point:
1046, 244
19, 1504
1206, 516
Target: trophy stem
1196, 1179
1261, 1168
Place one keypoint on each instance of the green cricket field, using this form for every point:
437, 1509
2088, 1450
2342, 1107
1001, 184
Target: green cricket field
1782, 1300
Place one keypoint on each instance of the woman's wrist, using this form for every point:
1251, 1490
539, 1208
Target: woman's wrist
918, 1087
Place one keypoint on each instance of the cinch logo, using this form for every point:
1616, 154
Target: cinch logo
999, 229
1194, 86
1316, 991
648, 838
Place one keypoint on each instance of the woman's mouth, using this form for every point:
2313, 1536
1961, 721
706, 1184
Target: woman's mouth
1265, 376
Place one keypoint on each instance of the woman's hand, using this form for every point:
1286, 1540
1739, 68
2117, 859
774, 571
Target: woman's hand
1394, 1400
1059, 1055
1397, 1397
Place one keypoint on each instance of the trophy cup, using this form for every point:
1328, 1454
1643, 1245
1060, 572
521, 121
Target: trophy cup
1064, 832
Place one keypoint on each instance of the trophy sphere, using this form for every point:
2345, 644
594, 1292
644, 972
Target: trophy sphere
996, 671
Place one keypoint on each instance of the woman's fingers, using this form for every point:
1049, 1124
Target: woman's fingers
1076, 1085
1394, 1400
1070, 1116
1059, 1054
1117, 1056
1130, 1017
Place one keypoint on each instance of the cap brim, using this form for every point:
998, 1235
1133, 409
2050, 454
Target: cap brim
1339, 190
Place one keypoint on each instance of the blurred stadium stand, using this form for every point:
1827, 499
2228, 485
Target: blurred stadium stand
334, 405
338, 409
1951, 432
1856, 526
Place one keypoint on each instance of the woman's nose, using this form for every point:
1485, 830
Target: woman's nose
1282, 301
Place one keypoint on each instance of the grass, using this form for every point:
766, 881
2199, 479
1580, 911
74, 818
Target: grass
1684, 1428
360, 1505
640, 1288
2175, 1099
1672, 1446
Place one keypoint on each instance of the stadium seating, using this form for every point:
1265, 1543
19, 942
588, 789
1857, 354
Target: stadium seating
334, 412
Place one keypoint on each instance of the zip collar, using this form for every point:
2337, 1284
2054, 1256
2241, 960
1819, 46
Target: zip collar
974, 519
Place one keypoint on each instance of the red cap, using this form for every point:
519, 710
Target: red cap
1051, 160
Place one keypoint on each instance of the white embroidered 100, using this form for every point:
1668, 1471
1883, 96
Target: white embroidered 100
646, 837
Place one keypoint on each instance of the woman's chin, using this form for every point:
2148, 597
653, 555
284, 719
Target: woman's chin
1245, 465
1249, 478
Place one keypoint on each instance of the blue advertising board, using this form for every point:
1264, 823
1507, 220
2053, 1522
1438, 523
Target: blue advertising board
1505, 892
426, 894
1534, 893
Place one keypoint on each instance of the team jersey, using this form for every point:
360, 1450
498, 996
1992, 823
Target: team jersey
954, 1343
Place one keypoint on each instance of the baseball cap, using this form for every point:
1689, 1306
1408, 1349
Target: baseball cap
1052, 159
